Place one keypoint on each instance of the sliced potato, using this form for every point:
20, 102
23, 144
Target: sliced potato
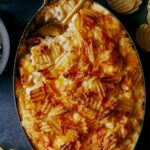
143, 36
122, 6
148, 17
148, 6
136, 7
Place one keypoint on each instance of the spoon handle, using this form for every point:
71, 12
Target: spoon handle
75, 9
45, 2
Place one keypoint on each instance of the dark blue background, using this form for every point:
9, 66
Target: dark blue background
16, 14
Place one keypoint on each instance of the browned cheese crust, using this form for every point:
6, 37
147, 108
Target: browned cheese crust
82, 90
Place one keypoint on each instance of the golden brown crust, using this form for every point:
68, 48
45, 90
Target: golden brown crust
82, 90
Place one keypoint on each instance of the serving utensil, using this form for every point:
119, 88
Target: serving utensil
57, 28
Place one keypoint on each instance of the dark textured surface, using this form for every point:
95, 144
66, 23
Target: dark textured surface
16, 14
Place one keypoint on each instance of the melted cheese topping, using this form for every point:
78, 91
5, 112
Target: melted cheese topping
82, 90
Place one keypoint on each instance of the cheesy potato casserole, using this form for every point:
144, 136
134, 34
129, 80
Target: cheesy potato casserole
82, 90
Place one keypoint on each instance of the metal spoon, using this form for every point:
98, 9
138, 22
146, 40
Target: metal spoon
57, 28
